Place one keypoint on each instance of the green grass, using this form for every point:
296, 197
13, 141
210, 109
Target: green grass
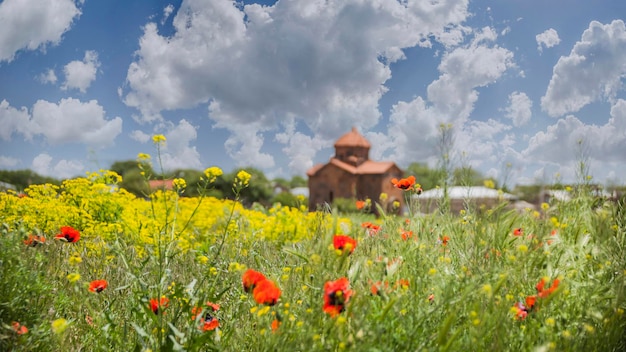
474, 280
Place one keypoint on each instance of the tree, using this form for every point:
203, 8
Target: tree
428, 178
24, 178
259, 189
132, 179
298, 181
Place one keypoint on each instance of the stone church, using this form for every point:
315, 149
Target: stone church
351, 174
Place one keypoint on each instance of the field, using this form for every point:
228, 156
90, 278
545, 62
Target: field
86, 266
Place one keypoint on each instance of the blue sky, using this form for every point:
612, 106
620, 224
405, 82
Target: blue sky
530, 84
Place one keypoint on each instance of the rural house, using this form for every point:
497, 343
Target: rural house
351, 174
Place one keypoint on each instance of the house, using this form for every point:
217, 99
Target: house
351, 174
163, 185
460, 197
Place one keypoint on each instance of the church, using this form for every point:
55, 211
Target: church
351, 174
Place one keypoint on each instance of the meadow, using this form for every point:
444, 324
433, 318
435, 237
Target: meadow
89, 267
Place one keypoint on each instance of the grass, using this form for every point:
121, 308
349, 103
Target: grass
450, 286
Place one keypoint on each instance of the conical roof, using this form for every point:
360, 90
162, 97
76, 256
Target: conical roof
352, 139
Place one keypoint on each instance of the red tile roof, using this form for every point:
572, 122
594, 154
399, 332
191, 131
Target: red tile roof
161, 184
352, 139
368, 167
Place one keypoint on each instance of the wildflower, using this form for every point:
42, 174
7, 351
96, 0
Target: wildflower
372, 229
243, 178
402, 283
158, 305
275, 324
159, 139
444, 240
143, 157
209, 322
68, 234
266, 292
431, 298
250, 279
518, 232
98, 286
376, 288
34, 240
406, 234
383, 197
179, 184
360, 204
521, 310
59, 326
336, 296
75, 259
545, 292
73, 277
19, 328
213, 173
344, 243
405, 183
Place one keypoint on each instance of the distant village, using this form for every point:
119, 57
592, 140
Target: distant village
349, 176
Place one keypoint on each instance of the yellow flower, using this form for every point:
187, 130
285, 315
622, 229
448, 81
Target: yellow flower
59, 326
383, 197
143, 157
73, 277
550, 322
522, 248
213, 173
545, 206
487, 290
75, 260
179, 184
158, 139
243, 178
489, 184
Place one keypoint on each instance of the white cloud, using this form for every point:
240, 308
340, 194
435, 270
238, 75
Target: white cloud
178, 153
593, 70
7, 161
167, 11
300, 148
68, 121
63, 169
140, 136
547, 39
519, 109
33, 24
48, 77
80, 74
558, 144
13, 120
41, 164
328, 68
414, 126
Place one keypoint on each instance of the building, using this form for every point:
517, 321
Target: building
351, 174
461, 196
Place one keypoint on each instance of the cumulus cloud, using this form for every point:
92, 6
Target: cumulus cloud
323, 63
547, 39
69, 121
592, 71
80, 74
42, 164
519, 109
178, 152
140, 136
33, 24
48, 77
167, 11
7, 161
414, 126
559, 143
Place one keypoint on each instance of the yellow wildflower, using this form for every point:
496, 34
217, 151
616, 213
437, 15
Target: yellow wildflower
73, 277
158, 139
59, 326
213, 173
243, 178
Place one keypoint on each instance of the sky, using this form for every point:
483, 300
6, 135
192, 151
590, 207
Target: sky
530, 88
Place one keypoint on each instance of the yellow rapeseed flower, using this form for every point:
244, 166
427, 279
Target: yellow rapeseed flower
143, 157
212, 173
158, 139
179, 184
73, 277
59, 326
243, 178
75, 260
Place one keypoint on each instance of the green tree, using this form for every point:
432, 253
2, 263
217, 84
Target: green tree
298, 181
24, 178
132, 179
259, 190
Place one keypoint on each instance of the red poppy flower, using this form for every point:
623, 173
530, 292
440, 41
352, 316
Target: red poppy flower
34, 240
266, 292
344, 243
336, 296
98, 286
405, 183
275, 324
518, 232
406, 234
545, 292
372, 229
19, 328
431, 298
360, 204
250, 279
444, 240
158, 305
210, 323
68, 234
402, 283
377, 288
